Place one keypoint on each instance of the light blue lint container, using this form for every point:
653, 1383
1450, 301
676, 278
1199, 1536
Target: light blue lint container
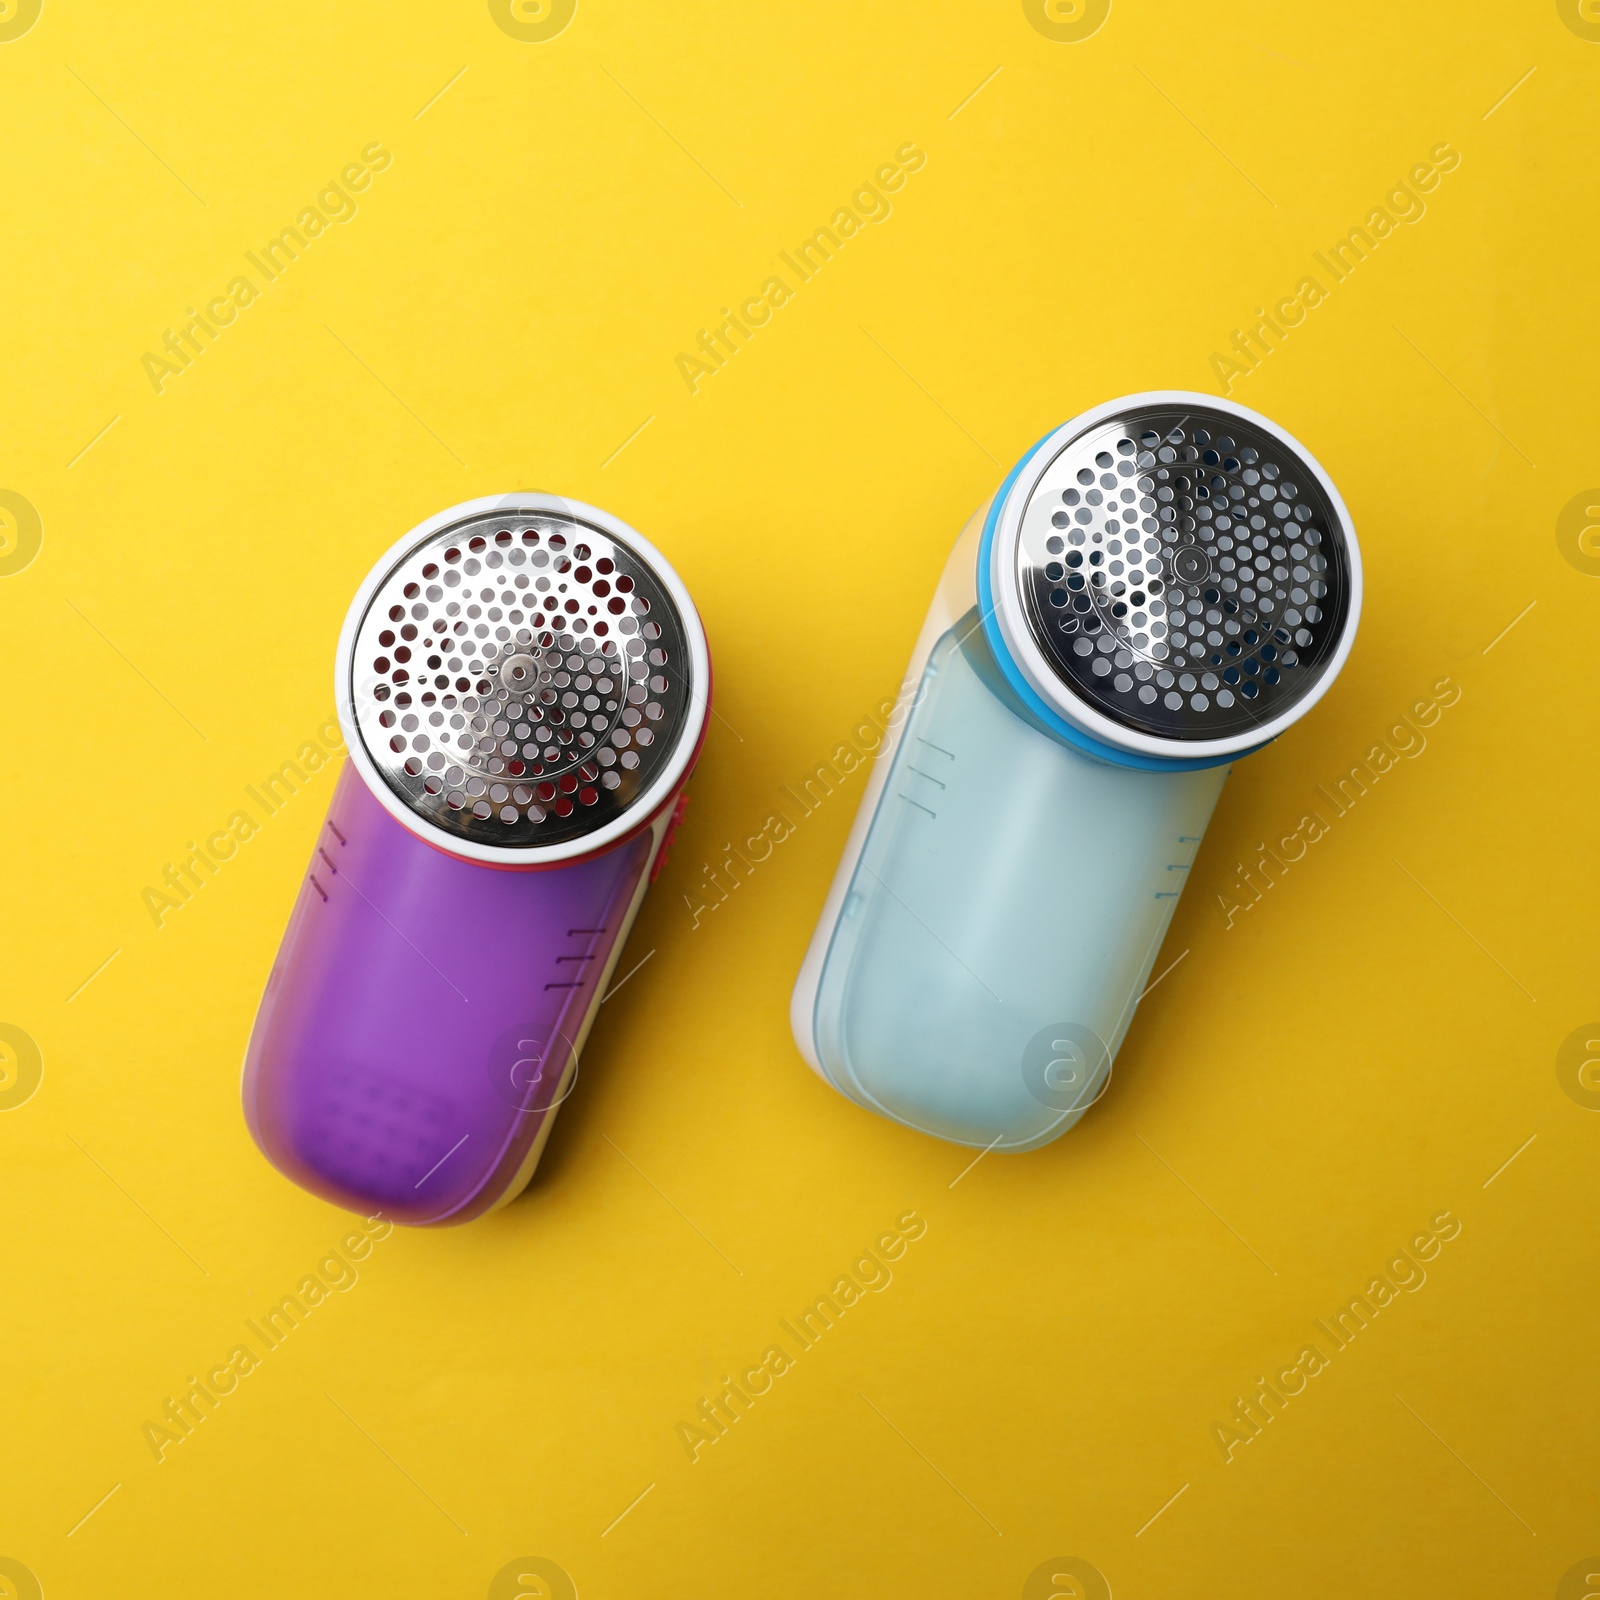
1160, 586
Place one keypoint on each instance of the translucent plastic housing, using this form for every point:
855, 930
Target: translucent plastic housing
1003, 917
424, 1014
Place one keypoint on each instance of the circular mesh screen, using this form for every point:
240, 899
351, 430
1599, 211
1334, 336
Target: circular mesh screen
1184, 573
520, 679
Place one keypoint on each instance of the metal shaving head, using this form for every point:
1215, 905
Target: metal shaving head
520, 678
1184, 572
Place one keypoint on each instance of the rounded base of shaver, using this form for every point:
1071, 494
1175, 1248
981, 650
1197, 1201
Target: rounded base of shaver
530, 1162
993, 939
394, 1067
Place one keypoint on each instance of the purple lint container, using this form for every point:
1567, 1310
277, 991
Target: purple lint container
523, 685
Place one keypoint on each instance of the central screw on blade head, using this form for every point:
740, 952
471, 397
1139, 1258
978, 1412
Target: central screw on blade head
519, 672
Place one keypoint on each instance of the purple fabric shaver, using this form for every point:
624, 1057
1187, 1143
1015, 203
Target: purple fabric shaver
523, 685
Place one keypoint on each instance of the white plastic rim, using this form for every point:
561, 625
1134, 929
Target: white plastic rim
1012, 619
667, 780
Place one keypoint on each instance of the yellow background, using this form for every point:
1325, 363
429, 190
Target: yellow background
1295, 1100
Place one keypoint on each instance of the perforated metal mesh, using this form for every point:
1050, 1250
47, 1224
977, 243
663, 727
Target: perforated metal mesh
1184, 572
520, 678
